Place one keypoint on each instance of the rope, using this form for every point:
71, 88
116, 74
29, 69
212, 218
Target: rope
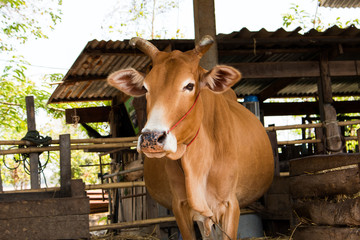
183, 117
34, 137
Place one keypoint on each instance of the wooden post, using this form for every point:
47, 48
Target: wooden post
358, 137
327, 111
1, 187
274, 145
34, 157
319, 135
204, 19
65, 165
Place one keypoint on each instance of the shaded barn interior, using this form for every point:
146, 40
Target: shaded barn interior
280, 64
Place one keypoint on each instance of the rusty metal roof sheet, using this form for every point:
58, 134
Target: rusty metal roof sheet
86, 79
340, 3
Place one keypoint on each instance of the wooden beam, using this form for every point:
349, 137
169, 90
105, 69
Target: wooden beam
1, 186
327, 111
295, 69
275, 87
53, 218
86, 115
345, 181
256, 70
88, 99
305, 108
65, 165
317, 163
274, 145
322, 212
34, 157
204, 19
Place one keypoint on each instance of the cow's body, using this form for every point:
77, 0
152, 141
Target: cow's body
229, 162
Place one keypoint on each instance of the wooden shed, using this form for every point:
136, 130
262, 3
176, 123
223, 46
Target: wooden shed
276, 64
280, 64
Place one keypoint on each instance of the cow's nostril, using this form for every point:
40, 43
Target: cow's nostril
162, 138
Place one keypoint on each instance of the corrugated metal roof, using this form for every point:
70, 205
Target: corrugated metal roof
340, 3
86, 79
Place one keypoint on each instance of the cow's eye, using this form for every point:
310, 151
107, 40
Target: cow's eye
144, 88
189, 87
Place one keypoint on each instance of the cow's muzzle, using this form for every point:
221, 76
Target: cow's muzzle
152, 142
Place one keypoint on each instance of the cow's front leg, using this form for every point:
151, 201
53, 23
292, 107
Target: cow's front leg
184, 220
180, 206
230, 220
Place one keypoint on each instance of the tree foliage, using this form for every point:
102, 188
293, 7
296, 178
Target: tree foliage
302, 18
24, 19
20, 21
143, 18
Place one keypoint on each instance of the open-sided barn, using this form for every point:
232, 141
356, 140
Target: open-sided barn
279, 64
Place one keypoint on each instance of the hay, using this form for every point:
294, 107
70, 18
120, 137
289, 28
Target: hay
130, 234
127, 236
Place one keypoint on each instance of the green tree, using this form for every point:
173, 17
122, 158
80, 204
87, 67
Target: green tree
298, 16
20, 21
142, 18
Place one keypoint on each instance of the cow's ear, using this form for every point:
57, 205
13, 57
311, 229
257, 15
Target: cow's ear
128, 81
220, 78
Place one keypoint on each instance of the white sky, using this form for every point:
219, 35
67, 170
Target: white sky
81, 21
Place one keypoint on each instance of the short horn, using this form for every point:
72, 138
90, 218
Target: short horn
145, 46
203, 45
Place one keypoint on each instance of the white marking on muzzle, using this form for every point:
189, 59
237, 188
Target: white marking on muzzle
156, 123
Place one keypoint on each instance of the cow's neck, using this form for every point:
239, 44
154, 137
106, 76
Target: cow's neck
201, 155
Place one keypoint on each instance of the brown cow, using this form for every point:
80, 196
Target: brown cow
207, 155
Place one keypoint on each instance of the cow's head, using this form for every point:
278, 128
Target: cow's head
172, 88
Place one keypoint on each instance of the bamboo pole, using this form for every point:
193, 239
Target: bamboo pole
123, 172
74, 141
102, 143
87, 187
39, 190
115, 185
313, 125
301, 141
137, 223
120, 145
72, 147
